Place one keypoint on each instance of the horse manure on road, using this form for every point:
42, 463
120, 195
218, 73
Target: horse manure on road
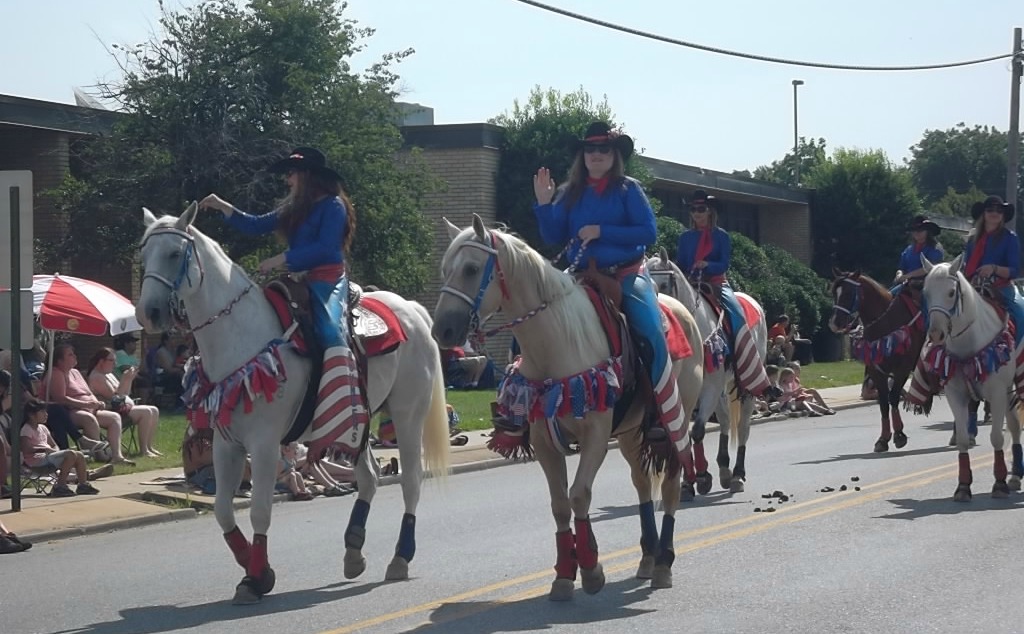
855, 479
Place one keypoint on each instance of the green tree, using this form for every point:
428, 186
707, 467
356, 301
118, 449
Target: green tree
811, 153
861, 205
222, 91
539, 133
954, 203
960, 158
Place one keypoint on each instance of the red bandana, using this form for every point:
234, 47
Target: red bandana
918, 247
975, 261
704, 246
599, 184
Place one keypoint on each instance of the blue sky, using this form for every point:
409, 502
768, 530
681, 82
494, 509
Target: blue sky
474, 57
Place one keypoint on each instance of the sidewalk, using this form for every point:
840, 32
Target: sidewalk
138, 499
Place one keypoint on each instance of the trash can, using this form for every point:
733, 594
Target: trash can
827, 345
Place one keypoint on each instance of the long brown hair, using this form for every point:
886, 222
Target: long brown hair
572, 189
99, 355
310, 187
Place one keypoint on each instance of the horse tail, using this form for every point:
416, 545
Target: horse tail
436, 443
735, 413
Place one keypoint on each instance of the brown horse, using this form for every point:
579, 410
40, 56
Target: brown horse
889, 345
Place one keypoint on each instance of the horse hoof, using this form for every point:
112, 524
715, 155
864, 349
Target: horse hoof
881, 445
593, 579
704, 483
398, 570
562, 590
952, 440
686, 492
1014, 483
899, 439
247, 592
736, 486
355, 563
662, 577
646, 568
1000, 490
267, 580
725, 477
962, 493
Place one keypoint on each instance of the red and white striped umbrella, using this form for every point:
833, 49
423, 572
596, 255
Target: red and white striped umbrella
71, 304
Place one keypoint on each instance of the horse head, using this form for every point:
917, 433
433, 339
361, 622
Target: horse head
467, 295
171, 269
847, 296
665, 274
944, 294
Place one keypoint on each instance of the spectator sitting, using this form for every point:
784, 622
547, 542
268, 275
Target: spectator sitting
5, 433
783, 328
797, 398
39, 449
106, 386
776, 352
289, 480
11, 543
169, 374
68, 388
125, 346
197, 462
868, 392
465, 369
322, 474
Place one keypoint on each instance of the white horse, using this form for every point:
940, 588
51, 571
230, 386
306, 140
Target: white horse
234, 324
733, 413
973, 356
562, 339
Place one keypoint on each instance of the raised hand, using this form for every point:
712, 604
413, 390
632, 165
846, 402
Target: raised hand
543, 186
218, 203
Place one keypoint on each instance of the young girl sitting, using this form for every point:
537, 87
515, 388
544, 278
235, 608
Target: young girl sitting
797, 398
40, 450
288, 477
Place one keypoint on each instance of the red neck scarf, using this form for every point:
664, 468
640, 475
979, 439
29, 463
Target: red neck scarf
704, 246
919, 246
975, 261
599, 184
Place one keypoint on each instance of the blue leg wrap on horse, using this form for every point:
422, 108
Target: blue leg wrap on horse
723, 450
648, 528
1018, 460
406, 548
972, 423
741, 462
666, 547
355, 535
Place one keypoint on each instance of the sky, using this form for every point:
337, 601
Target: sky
474, 58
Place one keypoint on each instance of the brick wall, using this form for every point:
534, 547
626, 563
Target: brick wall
787, 226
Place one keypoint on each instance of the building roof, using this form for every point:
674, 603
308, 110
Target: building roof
48, 115
738, 187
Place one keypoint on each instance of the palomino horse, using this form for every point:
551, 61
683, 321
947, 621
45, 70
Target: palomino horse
563, 343
732, 413
235, 328
973, 357
889, 345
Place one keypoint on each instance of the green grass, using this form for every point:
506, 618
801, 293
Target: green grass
835, 374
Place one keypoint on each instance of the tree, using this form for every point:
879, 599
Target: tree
862, 204
218, 95
539, 133
811, 154
961, 158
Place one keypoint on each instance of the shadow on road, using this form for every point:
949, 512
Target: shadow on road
879, 456
915, 509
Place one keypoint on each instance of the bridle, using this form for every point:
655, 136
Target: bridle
853, 312
956, 309
491, 268
175, 304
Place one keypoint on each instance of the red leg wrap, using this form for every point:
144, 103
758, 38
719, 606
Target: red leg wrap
258, 559
700, 462
239, 546
897, 420
886, 428
965, 469
565, 567
999, 467
689, 473
586, 545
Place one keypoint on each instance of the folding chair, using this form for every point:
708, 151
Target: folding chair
41, 479
129, 436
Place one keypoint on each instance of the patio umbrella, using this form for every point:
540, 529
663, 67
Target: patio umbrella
73, 304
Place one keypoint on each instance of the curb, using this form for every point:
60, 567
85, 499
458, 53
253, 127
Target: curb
103, 527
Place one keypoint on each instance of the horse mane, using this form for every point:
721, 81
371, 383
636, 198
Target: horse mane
866, 280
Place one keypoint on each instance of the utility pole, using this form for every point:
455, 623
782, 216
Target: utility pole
796, 136
1013, 149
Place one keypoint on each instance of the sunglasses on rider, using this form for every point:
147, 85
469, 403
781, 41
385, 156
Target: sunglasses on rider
699, 209
599, 148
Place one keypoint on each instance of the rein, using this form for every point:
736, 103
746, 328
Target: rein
853, 312
957, 308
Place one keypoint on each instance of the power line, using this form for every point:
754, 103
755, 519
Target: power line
760, 58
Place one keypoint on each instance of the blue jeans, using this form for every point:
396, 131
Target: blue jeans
640, 303
732, 308
329, 306
1015, 305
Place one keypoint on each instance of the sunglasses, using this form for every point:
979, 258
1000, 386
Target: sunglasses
699, 209
591, 148
993, 210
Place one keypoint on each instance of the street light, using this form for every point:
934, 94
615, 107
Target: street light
796, 138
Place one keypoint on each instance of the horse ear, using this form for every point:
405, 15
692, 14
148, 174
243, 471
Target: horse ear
478, 227
836, 272
453, 231
926, 263
147, 217
188, 217
957, 263
663, 255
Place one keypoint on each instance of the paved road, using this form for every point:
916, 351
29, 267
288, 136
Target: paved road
896, 556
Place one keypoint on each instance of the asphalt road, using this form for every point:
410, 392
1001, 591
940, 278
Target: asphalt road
896, 556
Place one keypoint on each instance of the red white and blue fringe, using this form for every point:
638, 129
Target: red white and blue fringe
208, 403
875, 352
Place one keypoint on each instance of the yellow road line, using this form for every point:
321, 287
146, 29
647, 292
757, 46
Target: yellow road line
762, 522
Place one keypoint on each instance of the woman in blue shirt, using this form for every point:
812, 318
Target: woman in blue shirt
703, 254
605, 216
992, 255
317, 221
922, 242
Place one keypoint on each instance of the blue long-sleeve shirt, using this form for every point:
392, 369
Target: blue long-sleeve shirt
316, 242
1001, 249
718, 259
623, 213
910, 260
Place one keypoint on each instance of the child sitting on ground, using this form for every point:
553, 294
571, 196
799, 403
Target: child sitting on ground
289, 479
322, 472
798, 398
39, 450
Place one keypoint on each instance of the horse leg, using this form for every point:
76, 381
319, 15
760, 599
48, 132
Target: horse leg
1000, 489
899, 438
412, 478
958, 404
553, 464
662, 577
630, 445
228, 463
882, 385
593, 435
355, 533
259, 576
724, 472
1017, 463
739, 474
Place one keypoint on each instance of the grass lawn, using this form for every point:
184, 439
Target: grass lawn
835, 374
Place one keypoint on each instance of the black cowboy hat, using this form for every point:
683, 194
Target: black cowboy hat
701, 197
993, 201
600, 133
922, 223
305, 158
